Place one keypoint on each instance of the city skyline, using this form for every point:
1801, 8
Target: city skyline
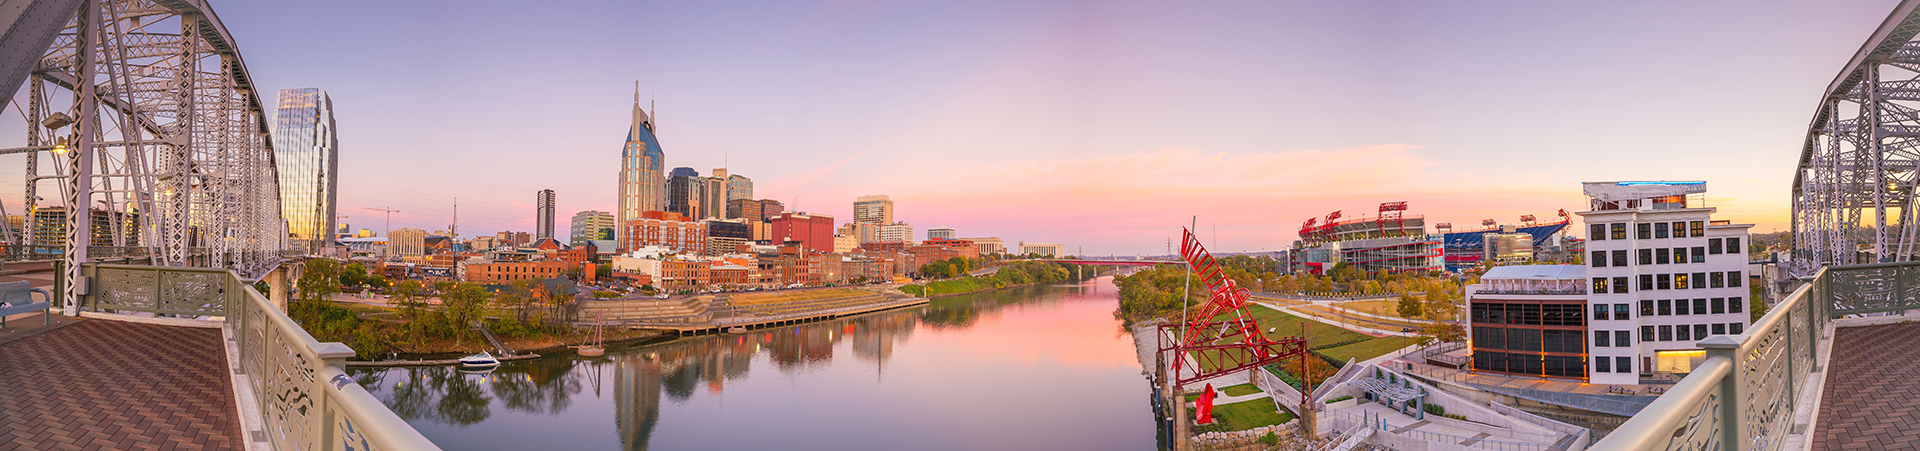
1088, 123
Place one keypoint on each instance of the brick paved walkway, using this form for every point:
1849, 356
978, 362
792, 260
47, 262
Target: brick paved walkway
101, 384
1871, 401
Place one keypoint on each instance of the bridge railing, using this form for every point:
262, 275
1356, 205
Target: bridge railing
303, 396
1744, 396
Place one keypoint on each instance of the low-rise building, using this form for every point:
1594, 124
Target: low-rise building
1051, 250
497, 272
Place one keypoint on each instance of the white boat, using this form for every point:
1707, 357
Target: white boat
481, 360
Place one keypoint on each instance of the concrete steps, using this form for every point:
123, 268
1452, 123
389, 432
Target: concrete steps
694, 309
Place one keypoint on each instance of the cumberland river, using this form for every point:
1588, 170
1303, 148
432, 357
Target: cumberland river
1025, 368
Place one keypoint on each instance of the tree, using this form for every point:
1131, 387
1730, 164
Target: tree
461, 304
353, 275
320, 281
1409, 306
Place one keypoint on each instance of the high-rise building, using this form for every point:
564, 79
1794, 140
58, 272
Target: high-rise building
590, 225
684, 189
543, 215
642, 168
726, 235
306, 154
940, 233
899, 231
739, 187
407, 242
745, 209
814, 232
861, 232
713, 195
873, 210
770, 208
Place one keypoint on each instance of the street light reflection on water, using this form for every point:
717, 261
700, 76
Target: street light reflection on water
1024, 368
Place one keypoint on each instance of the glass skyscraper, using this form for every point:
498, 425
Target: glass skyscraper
307, 155
642, 169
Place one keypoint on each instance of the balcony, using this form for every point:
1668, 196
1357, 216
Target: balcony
1829, 368
166, 357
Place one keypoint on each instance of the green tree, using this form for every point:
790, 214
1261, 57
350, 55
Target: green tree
320, 281
1409, 306
463, 303
353, 275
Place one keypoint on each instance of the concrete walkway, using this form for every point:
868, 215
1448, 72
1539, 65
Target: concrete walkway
1317, 317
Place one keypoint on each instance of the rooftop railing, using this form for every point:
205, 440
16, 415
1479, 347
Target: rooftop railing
303, 397
1746, 393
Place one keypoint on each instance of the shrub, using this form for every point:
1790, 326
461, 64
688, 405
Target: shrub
1342, 398
1270, 439
1436, 409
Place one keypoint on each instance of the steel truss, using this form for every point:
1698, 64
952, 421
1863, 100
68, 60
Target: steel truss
1857, 173
1222, 337
145, 108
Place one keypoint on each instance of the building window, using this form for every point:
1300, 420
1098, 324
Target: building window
1733, 306
1699, 228
1643, 230
1646, 282
1719, 305
1660, 230
1599, 285
1666, 307
1699, 280
1623, 338
1603, 364
1735, 328
1599, 259
1620, 257
1699, 254
1623, 364
1733, 246
1733, 278
1662, 281
1646, 256
1713, 246
1646, 307
1660, 256
1600, 312
1683, 333
1620, 284
1719, 329
1679, 255
1680, 281
1716, 279
1597, 232
1666, 333
1620, 311
1601, 338
1646, 334
1619, 230
1699, 306
1680, 307
1700, 331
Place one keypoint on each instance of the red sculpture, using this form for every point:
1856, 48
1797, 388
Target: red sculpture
1221, 337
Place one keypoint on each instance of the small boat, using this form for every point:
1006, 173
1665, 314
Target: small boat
481, 360
736, 330
597, 347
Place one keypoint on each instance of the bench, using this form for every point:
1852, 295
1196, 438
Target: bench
19, 296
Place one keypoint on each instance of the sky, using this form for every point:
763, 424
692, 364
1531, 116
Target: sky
1106, 126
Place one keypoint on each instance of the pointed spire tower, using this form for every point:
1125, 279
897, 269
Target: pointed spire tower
642, 172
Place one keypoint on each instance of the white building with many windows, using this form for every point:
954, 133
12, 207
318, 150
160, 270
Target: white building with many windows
1663, 275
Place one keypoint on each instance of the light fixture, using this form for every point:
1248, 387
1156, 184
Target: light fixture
60, 148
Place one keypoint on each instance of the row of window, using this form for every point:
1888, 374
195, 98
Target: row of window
1534, 340
1647, 230
1677, 281
1666, 307
1528, 314
1660, 256
1533, 364
1686, 332
1608, 364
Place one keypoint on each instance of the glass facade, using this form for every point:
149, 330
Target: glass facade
543, 214
642, 170
590, 225
307, 157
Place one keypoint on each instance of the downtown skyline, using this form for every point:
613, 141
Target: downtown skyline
1102, 126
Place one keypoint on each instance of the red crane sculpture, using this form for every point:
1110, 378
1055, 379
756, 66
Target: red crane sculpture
1221, 337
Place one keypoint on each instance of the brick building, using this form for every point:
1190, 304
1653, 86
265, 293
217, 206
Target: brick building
814, 232
673, 231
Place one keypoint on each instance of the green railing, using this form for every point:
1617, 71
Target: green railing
304, 399
1744, 395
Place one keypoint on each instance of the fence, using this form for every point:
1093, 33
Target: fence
303, 398
1743, 397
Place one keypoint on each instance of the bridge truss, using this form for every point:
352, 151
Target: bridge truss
1853, 190
142, 113
1221, 337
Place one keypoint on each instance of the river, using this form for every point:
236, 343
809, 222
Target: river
1024, 368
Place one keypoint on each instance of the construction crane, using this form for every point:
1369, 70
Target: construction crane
389, 211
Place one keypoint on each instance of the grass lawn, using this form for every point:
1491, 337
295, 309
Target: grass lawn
1383, 308
1242, 389
1285, 325
1246, 415
1369, 349
1402, 323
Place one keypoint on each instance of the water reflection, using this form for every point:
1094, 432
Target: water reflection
692, 374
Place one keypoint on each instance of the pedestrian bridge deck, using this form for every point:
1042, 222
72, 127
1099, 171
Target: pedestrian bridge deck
1871, 402
103, 384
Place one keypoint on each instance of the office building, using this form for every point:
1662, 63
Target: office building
899, 231
725, 236
989, 245
543, 214
406, 242
744, 209
1050, 250
814, 232
642, 169
861, 232
873, 210
670, 230
590, 225
306, 155
685, 188
713, 195
940, 233
739, 187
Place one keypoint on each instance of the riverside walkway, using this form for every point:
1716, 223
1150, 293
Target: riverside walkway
102, 384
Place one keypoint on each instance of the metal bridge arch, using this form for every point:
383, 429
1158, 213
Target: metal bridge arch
149, 121
1854, 186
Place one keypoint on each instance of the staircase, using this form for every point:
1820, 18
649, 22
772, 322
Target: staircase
497, 345
650, 310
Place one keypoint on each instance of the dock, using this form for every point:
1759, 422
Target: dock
720, 325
